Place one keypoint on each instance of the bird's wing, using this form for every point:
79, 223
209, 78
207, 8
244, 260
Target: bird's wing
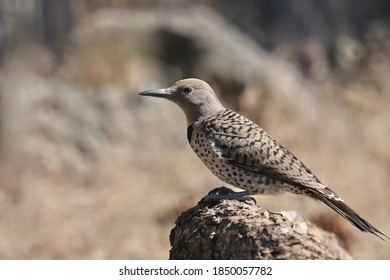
254, 150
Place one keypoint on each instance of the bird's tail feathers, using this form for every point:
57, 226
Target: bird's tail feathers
345, 211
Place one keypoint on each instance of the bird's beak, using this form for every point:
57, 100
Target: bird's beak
164, 93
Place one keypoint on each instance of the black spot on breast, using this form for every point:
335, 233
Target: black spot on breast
189, 132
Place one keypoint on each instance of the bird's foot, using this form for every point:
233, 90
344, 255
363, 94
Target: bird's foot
226, 193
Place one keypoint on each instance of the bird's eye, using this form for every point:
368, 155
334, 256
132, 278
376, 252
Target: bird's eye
187, 90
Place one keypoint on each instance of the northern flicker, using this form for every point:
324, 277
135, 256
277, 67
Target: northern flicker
242, 154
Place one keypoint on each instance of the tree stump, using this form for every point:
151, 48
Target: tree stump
230, 229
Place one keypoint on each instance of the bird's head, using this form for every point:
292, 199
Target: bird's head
195, 97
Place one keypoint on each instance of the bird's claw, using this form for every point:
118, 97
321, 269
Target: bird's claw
226, 193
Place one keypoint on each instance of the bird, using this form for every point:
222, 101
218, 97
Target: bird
241, 153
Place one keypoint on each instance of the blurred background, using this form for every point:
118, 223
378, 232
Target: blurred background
91, 170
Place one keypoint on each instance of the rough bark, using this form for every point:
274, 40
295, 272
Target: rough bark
230, 229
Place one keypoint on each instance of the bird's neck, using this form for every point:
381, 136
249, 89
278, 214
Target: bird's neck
202, 112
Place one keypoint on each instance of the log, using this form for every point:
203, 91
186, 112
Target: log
233, 230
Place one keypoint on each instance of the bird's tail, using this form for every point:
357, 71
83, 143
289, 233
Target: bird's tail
344, 210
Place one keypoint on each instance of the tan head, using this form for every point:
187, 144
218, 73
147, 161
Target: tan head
195, 97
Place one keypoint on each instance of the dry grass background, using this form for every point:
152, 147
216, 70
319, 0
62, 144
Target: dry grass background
90, 170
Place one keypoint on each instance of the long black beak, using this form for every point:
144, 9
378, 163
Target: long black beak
164, 93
